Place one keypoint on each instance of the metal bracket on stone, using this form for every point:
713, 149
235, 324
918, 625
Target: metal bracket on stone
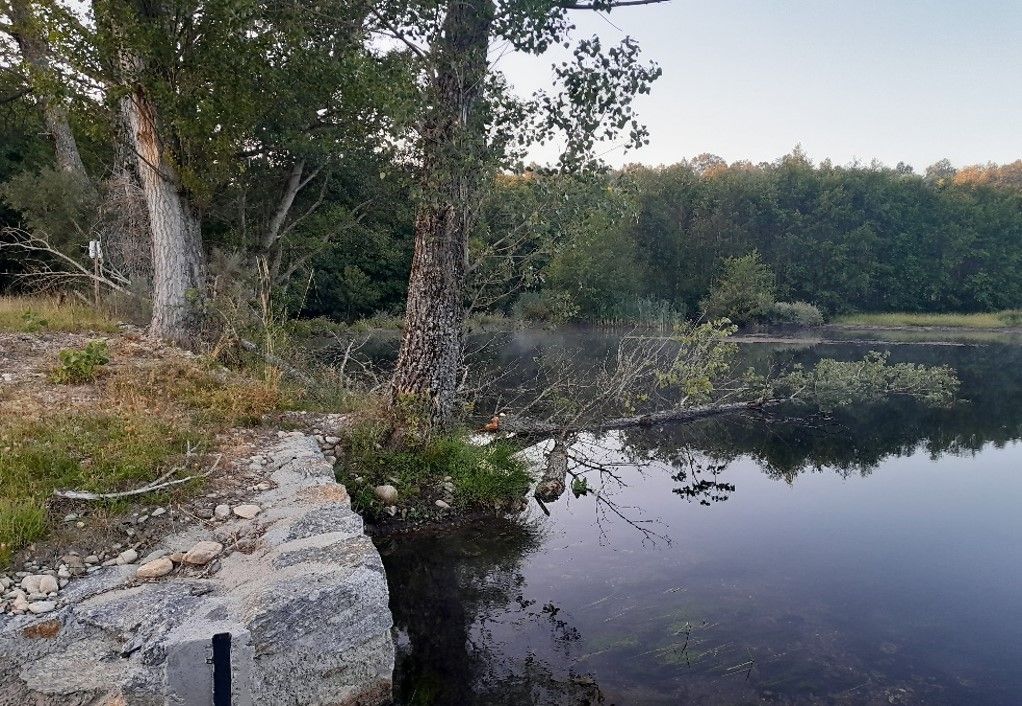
210, 671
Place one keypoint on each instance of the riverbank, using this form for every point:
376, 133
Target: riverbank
1010, 319
108, 434
153, 499
282, 598
444, 480
103, 433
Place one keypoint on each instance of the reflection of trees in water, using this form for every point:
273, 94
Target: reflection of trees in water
853, 441
991, 378
454, 595
848, 441
601, 460
700, 480
598, 460
448, 593
857, 439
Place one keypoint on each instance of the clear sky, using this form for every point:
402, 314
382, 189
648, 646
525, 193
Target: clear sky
895, 80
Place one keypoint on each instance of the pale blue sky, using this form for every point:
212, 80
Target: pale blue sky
895, 80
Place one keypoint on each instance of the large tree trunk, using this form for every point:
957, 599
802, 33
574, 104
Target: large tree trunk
59, 128
174, 228
453, 144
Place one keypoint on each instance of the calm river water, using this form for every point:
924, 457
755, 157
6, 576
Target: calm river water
870, 558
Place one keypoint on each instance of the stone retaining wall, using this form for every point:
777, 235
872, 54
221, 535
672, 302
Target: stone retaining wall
294, 611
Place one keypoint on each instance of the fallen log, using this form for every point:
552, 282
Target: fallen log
530, 427
85, 495
552, 484
158, 484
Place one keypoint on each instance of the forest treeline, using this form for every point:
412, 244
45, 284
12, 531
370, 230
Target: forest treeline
226, 167
843, 238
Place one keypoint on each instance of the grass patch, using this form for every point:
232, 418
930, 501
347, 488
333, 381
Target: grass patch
22, 521
379, 321
97, 452
479, 477
82, 451
996, 319
134, 425
37, 314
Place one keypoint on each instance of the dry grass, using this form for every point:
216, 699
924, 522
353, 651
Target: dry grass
37, 314
152, 410
213, 395
990, 320
127, 420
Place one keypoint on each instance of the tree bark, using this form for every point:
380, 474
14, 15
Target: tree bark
35, 50
452, 145
551, 486
174, 227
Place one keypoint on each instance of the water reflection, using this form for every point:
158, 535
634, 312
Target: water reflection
452, 593
867, 557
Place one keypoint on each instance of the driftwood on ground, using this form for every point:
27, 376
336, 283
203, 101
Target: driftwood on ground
158, 484
85, 495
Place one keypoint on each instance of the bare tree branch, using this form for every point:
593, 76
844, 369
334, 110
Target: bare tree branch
39, 257
606, 5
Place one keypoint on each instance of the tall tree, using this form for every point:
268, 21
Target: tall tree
472, 125
140, 41
215, 89
26, 24
452, 144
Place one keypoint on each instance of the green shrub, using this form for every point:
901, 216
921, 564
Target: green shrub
579, 486
33, 323
554, 307
832, 384
79, 366
743, 291
800, 313
54, 202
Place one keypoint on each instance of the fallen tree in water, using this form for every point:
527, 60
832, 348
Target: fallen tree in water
527, 427
551, 485
691, 376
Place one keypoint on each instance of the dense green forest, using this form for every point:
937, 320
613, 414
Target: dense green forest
844, 238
